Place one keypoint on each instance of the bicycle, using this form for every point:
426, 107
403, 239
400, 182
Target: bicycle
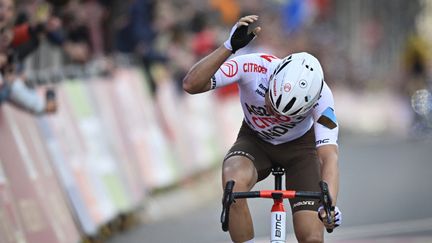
278, 214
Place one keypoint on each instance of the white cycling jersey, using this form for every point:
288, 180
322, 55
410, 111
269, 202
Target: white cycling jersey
252, 73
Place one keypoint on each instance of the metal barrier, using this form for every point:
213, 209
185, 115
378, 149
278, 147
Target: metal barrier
69, 175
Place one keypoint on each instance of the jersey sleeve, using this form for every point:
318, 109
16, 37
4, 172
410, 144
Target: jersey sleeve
325, 122
231, 71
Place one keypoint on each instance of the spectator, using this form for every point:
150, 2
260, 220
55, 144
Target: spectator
137, 35
6, 13
14, 90
13, 48
77, 43
95, 15
229, 10
29, 100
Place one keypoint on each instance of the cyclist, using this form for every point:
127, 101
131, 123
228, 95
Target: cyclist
289, 120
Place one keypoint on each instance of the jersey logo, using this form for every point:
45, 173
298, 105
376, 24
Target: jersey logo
328, 118
229, 68
253, 67
268, 57
287, 87
322, 141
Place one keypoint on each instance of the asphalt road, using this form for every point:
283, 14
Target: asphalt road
385, 196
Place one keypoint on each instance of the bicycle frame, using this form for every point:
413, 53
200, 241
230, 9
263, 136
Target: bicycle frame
278, 213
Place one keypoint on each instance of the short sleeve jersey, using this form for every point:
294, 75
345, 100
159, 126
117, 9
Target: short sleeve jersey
252, 73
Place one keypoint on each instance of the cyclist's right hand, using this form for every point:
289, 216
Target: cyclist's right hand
239, 36
336, 217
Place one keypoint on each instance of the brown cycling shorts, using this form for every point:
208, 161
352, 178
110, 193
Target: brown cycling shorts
298, 157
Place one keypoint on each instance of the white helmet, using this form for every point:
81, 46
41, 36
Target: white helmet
296, 84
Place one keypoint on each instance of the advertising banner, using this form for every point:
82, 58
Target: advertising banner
99, 161
116, 139
145, 136
68, 153
25, 182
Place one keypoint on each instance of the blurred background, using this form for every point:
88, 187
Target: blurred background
99, 143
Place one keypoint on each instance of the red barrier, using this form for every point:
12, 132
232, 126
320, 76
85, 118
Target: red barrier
40, 205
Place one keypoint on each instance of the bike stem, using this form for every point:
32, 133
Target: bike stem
278, 172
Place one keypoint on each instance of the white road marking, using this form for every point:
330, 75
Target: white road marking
385, 230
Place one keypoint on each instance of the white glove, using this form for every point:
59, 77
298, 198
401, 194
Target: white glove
227, 43
336, 217
239, 36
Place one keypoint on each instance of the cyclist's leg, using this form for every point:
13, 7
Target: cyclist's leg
246, 164
307, 227
243, 172
303, 174
306, 176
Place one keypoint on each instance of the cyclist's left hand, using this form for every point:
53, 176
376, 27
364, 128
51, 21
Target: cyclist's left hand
239, 36
336, 217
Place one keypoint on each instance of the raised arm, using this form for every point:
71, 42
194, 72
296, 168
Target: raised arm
198, 79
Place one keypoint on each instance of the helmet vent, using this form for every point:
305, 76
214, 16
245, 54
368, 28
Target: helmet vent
289, 105
278, 101
295, 112
280, 69
310, 68
306, 99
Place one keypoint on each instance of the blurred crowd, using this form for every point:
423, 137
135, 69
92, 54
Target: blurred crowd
166, 37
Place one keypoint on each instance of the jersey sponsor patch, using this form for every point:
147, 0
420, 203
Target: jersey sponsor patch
322, 141
328, 118
304, 203
253, 67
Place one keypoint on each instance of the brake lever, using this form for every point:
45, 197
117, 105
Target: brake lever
227, 200
326, 201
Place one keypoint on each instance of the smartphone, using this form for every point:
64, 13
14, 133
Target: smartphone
50, 94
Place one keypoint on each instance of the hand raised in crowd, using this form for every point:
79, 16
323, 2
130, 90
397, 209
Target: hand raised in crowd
51, 102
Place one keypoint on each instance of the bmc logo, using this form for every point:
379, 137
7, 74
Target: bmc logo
278, 226
322, 141
229, 68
